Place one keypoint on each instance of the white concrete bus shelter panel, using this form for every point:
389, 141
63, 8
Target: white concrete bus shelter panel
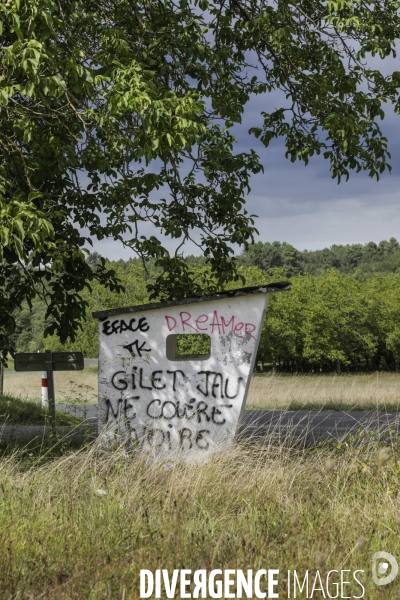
170, 405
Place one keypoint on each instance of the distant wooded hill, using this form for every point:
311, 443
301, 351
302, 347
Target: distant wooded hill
343, 311
352, 259
359, 260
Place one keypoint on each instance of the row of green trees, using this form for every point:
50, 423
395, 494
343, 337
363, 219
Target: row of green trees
359, 260
326, 323
334, 321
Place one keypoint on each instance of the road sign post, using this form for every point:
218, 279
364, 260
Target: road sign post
49, 362
45, 390
1, 378
50, 387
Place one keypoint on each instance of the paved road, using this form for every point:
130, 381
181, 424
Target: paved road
302, 426
309, 427
80, 411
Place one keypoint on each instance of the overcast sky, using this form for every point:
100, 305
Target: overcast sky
303, 205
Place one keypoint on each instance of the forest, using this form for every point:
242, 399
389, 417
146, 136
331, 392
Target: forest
342, 314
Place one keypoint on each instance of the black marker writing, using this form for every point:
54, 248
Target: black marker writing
200, 441
201, 410
134, 348
175, 374
185, 435
154, 379
119, 326
213, 381
239, 381
215, 411
122, 384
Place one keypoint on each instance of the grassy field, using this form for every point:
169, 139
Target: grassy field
83, 525
71, 387
290, 392
372, 391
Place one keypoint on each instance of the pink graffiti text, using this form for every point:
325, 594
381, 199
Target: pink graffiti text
210, 323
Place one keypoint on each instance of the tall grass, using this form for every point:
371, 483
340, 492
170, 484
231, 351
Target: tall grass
251, 507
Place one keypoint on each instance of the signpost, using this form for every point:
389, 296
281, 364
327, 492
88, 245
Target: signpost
49, 361
1, 378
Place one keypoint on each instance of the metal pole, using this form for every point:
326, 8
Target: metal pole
45, 397
1, 377
50, 386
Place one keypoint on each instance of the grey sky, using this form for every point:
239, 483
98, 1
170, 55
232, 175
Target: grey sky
303, 205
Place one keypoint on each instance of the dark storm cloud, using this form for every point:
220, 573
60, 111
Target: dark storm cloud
302, 204
305, 206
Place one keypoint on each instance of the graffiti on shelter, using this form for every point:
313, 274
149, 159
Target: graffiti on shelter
167, 401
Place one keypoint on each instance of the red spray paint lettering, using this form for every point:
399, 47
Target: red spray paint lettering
211, 323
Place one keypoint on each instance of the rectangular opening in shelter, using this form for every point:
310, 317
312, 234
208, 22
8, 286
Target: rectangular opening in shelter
188, 346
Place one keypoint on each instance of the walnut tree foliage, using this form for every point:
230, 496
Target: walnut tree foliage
118, 113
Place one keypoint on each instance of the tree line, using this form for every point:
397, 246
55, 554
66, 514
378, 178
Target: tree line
359, 260
334, 322
330, 322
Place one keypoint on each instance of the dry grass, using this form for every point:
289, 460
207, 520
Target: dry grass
245, 509
335, 392
290, 392
75, 387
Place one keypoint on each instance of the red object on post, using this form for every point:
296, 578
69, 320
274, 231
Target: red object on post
45, 391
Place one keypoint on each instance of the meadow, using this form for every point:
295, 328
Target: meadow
369, 391
82, 525
72, 387
361, 391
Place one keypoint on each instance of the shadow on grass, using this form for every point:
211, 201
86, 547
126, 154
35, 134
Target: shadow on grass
335, 405
17, 411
